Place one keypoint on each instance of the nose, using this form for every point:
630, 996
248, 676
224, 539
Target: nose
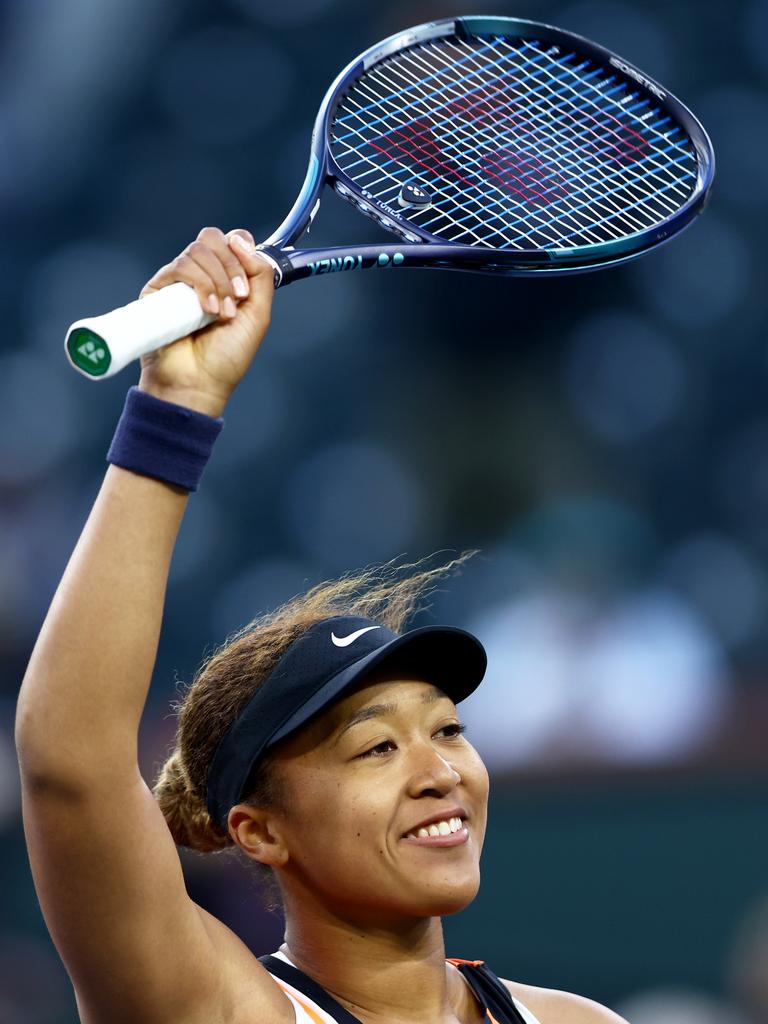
431, 774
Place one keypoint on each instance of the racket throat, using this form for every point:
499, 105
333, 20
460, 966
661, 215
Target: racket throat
281, 264
291, 265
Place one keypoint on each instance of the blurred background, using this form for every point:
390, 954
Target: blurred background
603, 439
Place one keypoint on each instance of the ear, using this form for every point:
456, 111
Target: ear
257, 832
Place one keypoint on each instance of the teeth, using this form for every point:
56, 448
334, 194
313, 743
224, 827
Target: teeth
438, 828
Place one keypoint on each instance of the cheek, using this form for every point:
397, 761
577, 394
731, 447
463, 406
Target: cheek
331, 817
316, 804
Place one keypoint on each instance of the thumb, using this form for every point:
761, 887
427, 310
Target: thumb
252, 259
257, 306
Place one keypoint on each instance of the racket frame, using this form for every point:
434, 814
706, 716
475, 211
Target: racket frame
420, 248
98, 347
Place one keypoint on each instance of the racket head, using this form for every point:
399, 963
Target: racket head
539, 150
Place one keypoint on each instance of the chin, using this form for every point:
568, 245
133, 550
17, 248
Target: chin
449, 900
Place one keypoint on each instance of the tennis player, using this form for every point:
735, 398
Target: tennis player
322, 741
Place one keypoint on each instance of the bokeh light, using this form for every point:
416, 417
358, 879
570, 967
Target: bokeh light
257, 588
569, 677
754, 31
353, 502
601, 438
653, 681
256, 419
740, 479
724, 580
31, 444
702, 281
623, 376
248, 93
329, 323
679, 1006
296, 13
731, 114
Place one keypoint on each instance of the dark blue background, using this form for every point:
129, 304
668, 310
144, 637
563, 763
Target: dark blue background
602, 439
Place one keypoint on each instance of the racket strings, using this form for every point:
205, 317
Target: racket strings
408, 146
587, 181
396, 142
521, 146
505, 72
483, 206
528, 164
611, 144
547, 151
659, 172
461, 193
465, 121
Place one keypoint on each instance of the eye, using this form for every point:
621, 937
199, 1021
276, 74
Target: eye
452, 730
380, 749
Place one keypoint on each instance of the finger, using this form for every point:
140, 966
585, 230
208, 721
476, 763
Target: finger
243, 233
225, 290
185, 269
216, 241
257, 307
241, 243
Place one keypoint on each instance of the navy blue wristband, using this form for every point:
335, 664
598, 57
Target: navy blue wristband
162, 440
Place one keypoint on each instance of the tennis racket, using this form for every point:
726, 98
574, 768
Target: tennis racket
492, 145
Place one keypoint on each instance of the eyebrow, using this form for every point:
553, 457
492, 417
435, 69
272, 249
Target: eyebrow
390, 708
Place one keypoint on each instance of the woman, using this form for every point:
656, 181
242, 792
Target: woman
318, 741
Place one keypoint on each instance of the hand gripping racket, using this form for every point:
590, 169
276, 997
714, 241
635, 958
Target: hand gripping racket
492, 145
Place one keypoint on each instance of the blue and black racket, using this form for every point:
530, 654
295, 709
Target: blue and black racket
491, 145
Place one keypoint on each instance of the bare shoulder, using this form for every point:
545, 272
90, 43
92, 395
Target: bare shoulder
552, 1006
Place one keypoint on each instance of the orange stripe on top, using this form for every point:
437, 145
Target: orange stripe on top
305, 1006
474, 963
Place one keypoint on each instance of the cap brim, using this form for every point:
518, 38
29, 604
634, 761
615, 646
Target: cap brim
451, 659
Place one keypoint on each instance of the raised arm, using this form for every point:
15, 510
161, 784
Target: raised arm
105, 867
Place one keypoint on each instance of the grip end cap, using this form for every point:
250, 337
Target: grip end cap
88, 352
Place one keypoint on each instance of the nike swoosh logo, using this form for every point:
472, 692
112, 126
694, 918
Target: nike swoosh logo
345, 641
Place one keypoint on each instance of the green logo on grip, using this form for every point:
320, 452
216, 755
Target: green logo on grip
89, 352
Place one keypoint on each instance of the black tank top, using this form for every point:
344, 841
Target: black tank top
492, 994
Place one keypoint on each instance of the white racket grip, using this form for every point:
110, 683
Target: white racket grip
100, 346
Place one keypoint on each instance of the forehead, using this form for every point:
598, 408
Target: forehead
378, 696
390, 694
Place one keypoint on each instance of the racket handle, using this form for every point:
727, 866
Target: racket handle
100, 346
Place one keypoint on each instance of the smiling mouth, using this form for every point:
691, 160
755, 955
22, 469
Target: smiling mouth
448, 832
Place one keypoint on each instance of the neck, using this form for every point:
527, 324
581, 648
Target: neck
394, 972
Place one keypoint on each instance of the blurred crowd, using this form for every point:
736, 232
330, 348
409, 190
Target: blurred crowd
602, 439
746, 1001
